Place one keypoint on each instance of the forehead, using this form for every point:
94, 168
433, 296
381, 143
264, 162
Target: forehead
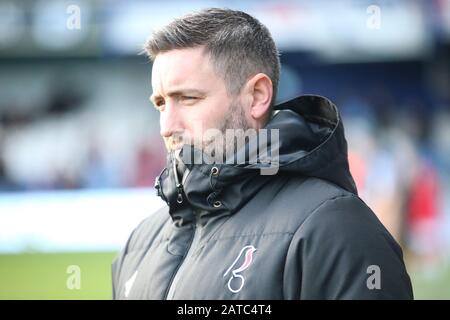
183, 67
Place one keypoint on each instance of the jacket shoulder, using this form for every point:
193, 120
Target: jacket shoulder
148, 230
287, 202
283, 205
142, 237
342, 251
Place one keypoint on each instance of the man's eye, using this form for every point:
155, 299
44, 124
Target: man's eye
188, 98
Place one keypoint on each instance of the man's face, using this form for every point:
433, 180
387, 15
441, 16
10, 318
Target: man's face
192, 98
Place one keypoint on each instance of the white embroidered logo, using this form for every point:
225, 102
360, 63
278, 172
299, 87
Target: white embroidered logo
249, 250
129, 284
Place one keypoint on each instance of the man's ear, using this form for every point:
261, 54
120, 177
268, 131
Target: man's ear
259, 93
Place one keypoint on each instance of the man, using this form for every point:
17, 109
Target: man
231, 230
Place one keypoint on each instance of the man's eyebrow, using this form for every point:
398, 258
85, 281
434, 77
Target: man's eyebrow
179, 92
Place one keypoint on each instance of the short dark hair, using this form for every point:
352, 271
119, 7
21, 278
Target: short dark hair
238, 44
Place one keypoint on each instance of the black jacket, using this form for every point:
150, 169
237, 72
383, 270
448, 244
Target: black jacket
233, 233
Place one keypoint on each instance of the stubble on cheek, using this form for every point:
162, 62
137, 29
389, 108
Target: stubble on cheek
234, 118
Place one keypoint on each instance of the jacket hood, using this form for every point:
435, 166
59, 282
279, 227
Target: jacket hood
309, 141
312, 140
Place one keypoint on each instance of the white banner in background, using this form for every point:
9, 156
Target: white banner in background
87, 220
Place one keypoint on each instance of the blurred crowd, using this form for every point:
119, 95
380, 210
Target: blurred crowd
61, 137
400, 162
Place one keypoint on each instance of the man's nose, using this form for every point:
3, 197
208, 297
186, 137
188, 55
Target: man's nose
170, 121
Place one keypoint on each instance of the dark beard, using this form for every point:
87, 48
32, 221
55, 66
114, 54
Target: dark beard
234, 119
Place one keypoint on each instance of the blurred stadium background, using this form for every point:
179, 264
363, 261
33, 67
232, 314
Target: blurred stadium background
79, 142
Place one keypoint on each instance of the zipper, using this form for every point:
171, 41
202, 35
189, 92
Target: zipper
177, 182
182, 266
195, 238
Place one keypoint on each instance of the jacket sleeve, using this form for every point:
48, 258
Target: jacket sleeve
116, 267
115, 273
342, 251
